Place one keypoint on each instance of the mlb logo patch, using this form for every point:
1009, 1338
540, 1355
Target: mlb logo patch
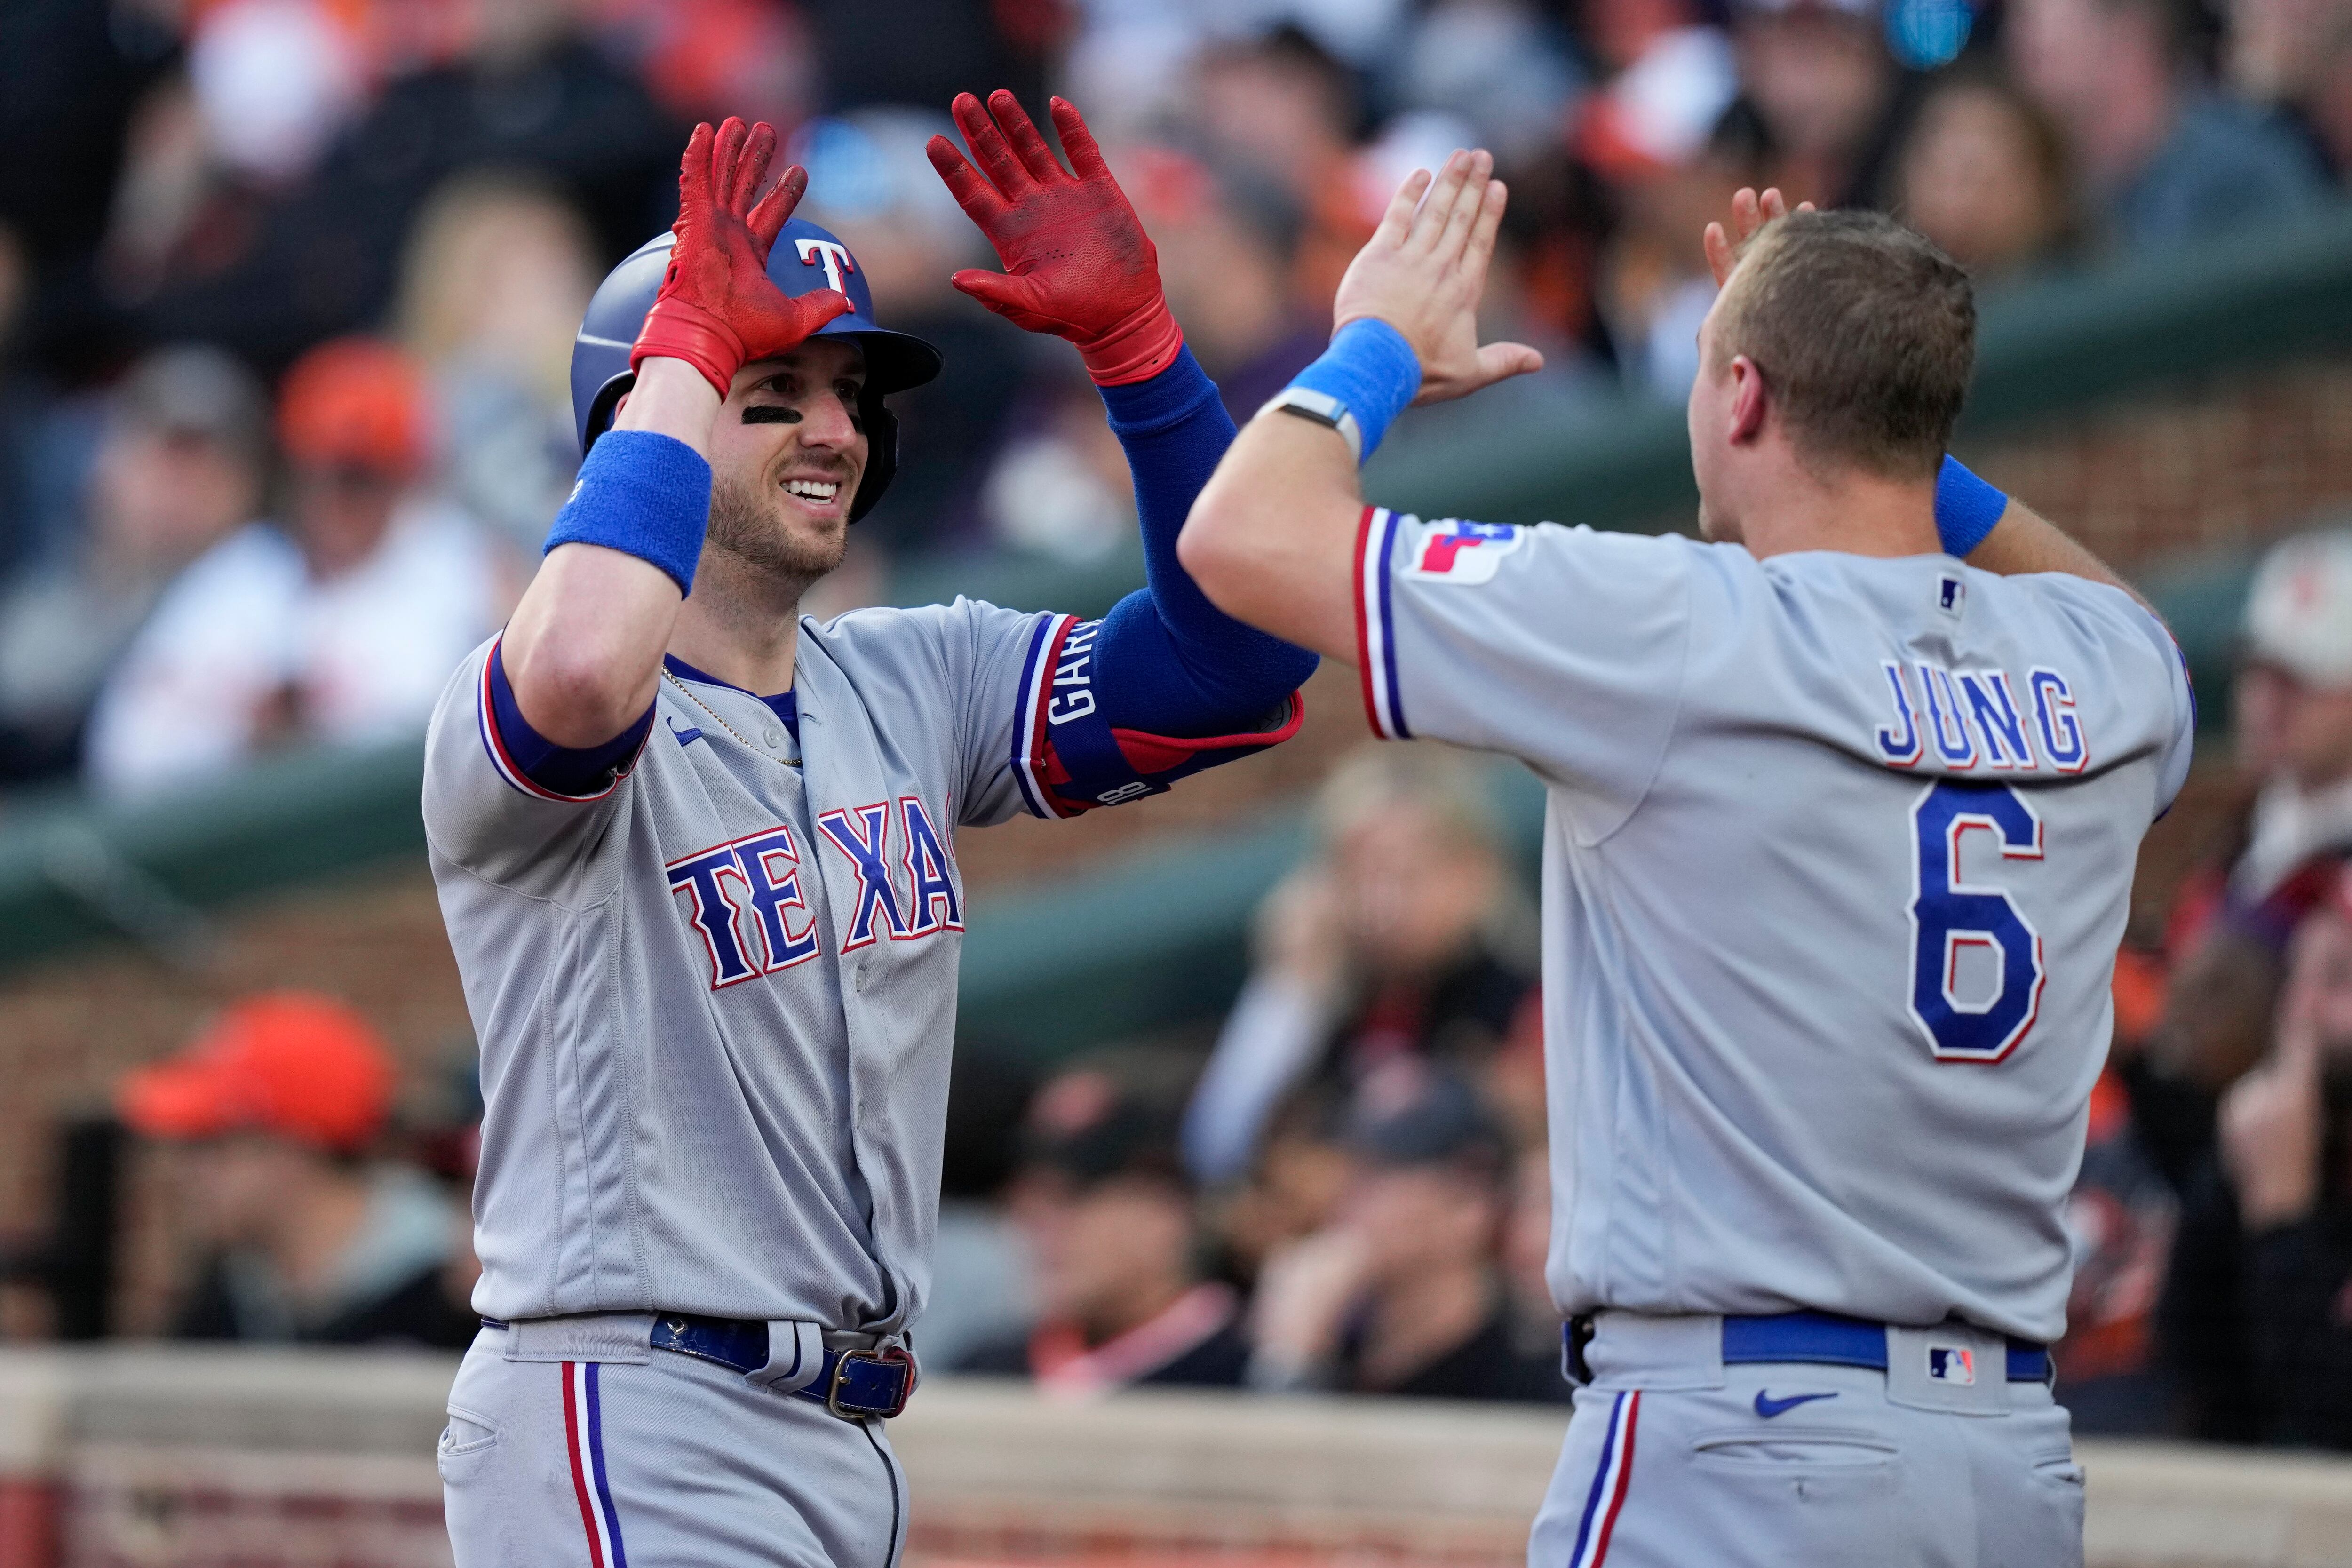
1452, 551
1950, 1364
1951, 594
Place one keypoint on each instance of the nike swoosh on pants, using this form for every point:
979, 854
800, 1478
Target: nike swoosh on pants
1768, 1407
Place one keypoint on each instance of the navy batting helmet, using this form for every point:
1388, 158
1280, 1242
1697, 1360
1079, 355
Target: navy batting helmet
804, 258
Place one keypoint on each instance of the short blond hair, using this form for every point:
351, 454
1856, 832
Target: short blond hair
1864, 333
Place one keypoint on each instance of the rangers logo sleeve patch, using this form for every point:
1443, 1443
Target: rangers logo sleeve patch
1452, 551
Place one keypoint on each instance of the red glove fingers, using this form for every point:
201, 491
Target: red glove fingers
718, 309
1077, 262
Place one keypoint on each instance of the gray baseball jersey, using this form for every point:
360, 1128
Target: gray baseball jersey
716, 999
1836, 858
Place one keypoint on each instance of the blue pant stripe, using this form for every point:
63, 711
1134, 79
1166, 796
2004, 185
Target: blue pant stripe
1600, 1481
597, 1455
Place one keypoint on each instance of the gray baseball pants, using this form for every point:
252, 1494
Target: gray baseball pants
595, 1452
1674, 1459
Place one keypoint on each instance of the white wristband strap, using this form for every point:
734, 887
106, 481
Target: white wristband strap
1323, 409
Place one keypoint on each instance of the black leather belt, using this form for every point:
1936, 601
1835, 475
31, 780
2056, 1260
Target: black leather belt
852, 1384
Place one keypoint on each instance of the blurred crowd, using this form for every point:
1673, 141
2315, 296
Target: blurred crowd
287, 287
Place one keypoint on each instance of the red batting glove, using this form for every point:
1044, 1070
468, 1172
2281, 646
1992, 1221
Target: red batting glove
718, 309
1077, 262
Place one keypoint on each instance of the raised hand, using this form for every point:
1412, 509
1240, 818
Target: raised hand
2273, 1121
1749, 212
1077, 262
718, 309
1424, 270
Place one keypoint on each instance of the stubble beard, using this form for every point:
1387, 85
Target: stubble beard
748, 522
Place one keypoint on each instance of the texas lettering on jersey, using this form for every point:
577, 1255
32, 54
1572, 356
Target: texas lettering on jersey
1966, 719
744, 898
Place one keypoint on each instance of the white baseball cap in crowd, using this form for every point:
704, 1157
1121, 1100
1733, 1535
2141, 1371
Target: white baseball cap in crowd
2299, 611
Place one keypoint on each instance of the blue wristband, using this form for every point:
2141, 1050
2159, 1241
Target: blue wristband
1966, 508
642, 493
1372, 369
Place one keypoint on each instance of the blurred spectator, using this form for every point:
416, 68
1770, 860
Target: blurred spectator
341, 629
494, 283
1654, 287
181, 465
981, 1273
705, 59
1112, 1223
1060, 487
1674, 78
1228, 237
1499, 65
1659, 137
1129, 64
1402, 1294
1817, 80
2121, 1217
926, 51
2292, 715
269, 270
1983, 173
2296, 57
871, 183
2164, 160
21, 409
71, 71
1613, 266
273, 1109
1292, 1190
1402, 939
1281, 104
273, 81
2260, 1309
1526, 1249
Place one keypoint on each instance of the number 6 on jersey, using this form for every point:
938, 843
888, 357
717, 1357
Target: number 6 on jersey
1949, 916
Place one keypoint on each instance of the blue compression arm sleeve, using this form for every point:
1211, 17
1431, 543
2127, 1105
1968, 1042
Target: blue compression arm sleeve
642, 493
1171, 662
1966, 508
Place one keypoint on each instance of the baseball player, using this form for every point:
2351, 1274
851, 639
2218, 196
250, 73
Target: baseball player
1843, 801
696, 859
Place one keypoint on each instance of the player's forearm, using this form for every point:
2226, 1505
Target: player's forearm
1271, 537
1172, 662
1174, 429
583, 649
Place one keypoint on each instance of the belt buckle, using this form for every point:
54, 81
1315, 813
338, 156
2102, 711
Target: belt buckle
886, 1356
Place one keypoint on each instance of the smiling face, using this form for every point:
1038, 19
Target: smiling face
787, 452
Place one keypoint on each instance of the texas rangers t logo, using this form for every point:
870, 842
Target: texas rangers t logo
831, 254
1454, 550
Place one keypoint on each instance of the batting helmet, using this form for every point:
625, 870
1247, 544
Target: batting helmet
804, 257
